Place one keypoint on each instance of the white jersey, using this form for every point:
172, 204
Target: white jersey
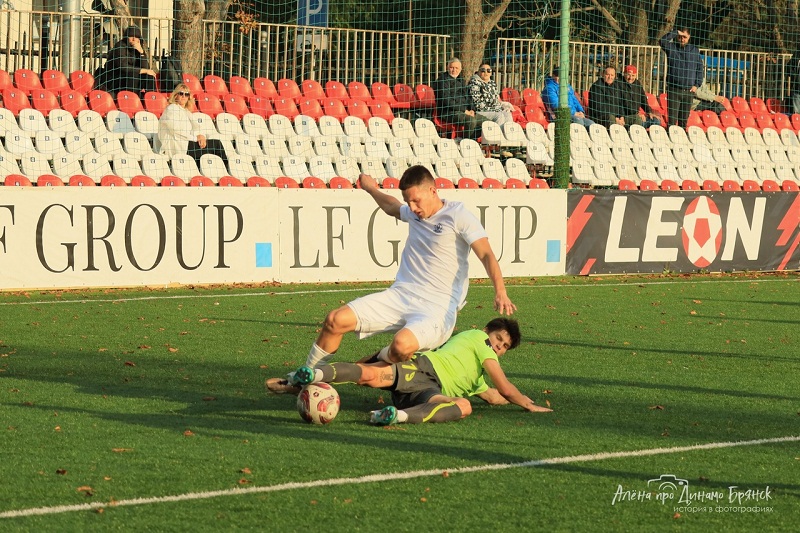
434, 263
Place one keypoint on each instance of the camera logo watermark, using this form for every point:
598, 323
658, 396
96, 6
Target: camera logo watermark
668, 489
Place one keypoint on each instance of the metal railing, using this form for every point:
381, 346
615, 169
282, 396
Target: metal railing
40, 40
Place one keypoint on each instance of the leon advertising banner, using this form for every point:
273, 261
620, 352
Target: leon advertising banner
618, 232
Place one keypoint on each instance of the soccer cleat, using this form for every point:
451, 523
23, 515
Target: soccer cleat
384, 417
282, 386
302, 376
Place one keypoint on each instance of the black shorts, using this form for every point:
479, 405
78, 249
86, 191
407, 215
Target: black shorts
415, 382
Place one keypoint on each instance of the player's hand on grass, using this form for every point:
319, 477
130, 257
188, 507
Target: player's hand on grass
504, 305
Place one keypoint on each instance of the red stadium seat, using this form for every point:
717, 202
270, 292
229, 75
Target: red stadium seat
750, 185
728, 120
690, 185
757, 106
795, 118
747, 120
467, 183
172, 181
81, 81
102, 102
230, 181
444, 183
730, 185
27, 81
265, 88
382, 92
45, 101
312, 89
711, 119
286, 107
710, 185
405, 95
695, 120
514, 183
258, 181
311, 108
627, 185
338, 182
79, 180
425, 98
55, 81
201, 181
539, 183
74, 102
337, 90
15, 100
235, 105
215, 85
490, 183
261, 105
112, 181
48, 180
334, 107
129, 103
789, 186
357, 108
532, 97
359, 91
648, 185
382, 110
770, 186
775, 105
17, 180
662, 103
655, 105
740, 105
284, 182
5, 81
143, 181
191, 81
241, 86
390, 183
312, 182
289, 89
511, 96
155, 102
782, 122
669, 185
209, 104
536, 114
764, 121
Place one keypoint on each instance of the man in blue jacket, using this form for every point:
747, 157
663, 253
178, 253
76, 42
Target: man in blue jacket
685, 73
550, 99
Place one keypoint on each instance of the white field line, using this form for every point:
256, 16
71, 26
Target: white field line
58, 509
375, 289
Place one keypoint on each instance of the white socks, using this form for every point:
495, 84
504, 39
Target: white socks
317, 356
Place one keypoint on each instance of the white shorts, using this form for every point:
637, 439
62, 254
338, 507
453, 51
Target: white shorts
395, 308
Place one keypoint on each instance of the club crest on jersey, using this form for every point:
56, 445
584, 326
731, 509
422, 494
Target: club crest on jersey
437, 228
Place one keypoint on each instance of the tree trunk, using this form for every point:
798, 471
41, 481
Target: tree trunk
471, 44
188, 44
121, 9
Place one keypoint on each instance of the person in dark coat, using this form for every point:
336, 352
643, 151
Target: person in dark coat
453, 101
604, 99
126, 68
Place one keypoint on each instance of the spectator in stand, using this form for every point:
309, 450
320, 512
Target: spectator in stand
486, 97
453, 103
550, 94
793, 68
706, 100
178, 133
685, 73
126, 68
604, 100
634, 98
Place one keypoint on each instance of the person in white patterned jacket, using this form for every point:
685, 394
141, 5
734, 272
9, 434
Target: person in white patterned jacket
486, 97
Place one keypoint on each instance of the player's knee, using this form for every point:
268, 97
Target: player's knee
339, 321
403, 347
465, 406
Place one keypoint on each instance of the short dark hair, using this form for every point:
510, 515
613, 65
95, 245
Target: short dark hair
510, 325
414, 176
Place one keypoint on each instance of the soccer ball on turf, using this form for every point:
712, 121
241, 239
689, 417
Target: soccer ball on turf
318, 403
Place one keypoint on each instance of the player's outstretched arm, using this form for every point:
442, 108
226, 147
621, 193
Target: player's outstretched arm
502, 303
492, 397
389, 204
508, 390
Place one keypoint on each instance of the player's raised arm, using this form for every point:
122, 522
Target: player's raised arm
508, 390
502, 303
389, 204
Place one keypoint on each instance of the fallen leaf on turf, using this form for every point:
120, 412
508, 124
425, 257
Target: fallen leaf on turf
676, 515
692, 312
423, 500
244, 481
57, 428
99, 510
121, 450
658, 407
245, 471
348, 500
61, 472
85, 488
547, 391
188, 433
144, 347
548, 403
445, 474
172, 350
209, 398
380, 400
130, 363
103, 350
314, 502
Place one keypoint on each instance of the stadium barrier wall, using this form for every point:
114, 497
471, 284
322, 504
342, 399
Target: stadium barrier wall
113, 237
613, 232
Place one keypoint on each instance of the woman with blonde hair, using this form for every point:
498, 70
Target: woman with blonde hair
178, 132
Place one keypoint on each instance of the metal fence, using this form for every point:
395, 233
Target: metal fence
525, 63
67, 42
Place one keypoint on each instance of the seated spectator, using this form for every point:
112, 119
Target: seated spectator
706, 100
486, 97
604, 100
126, 68
453, 104
634, 98
178, 132
550, 100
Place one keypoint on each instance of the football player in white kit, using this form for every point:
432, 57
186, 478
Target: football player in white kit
431, 283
